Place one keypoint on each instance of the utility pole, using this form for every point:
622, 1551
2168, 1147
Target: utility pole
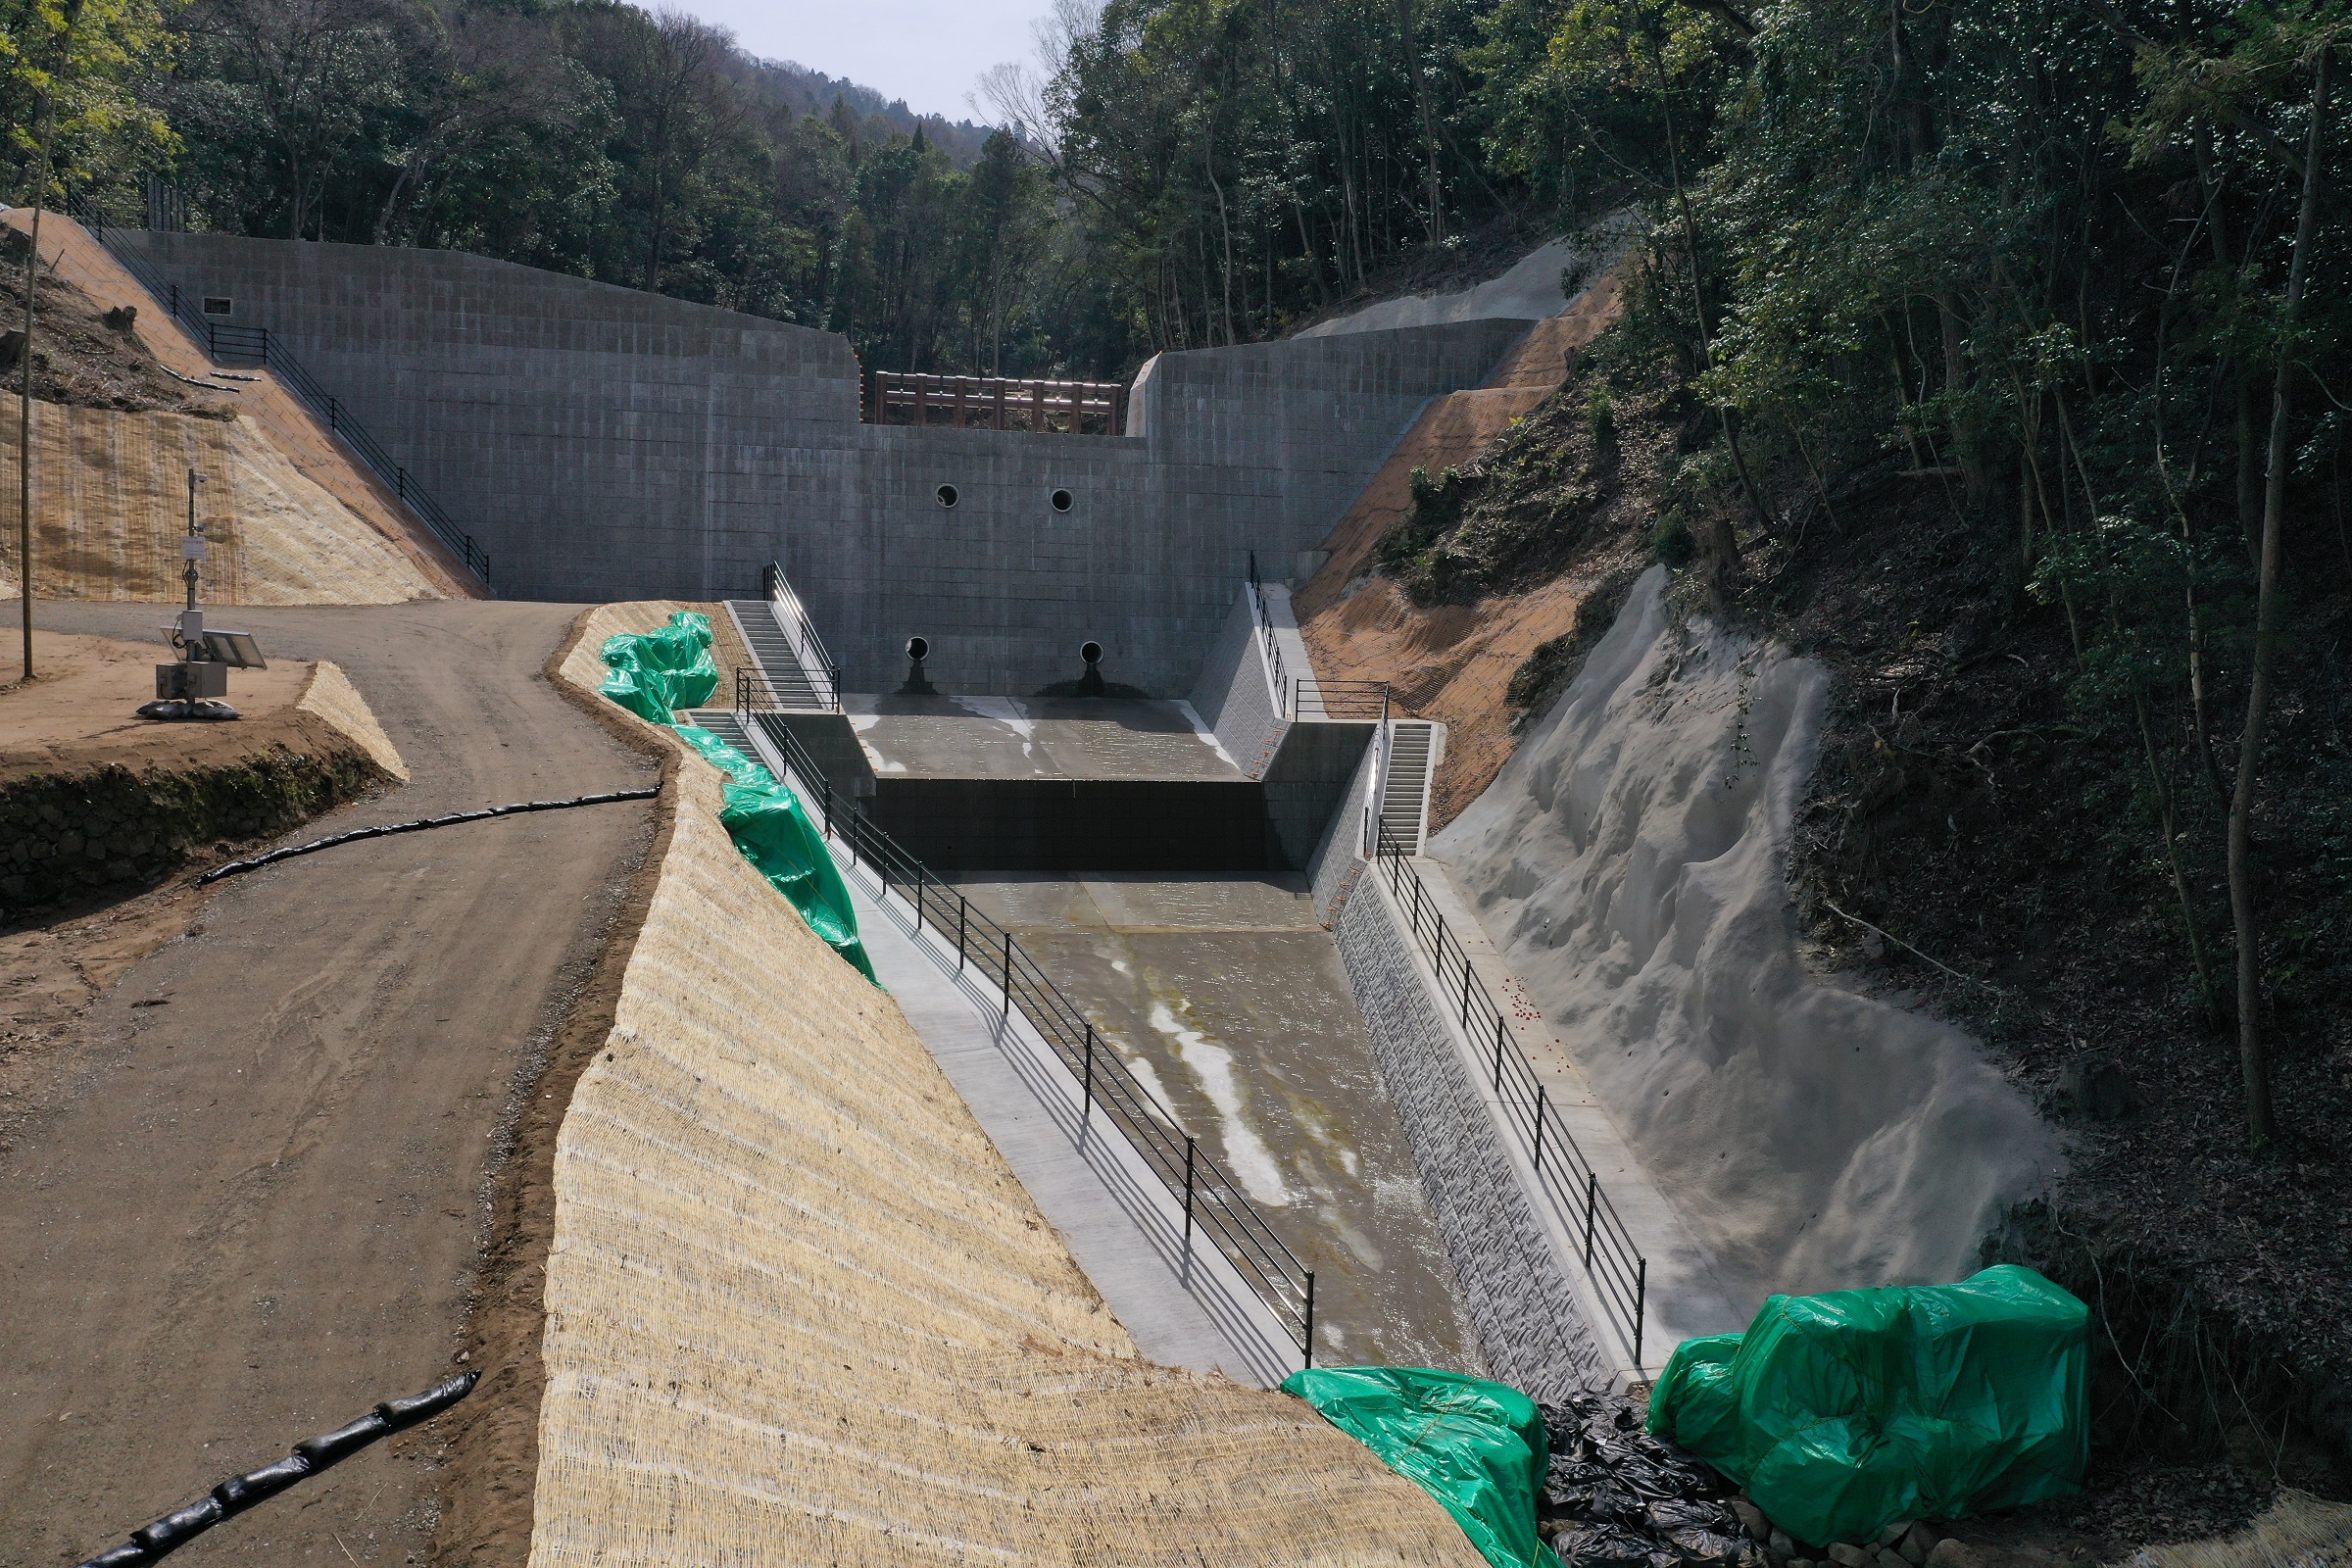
32, 263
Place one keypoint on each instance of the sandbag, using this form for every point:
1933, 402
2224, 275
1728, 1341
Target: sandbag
656, 673
1478, 1448
1843, 1412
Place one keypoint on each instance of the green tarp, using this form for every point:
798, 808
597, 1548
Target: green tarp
1478, 1448
655, 672
767, 823
1844, 1412
659, 671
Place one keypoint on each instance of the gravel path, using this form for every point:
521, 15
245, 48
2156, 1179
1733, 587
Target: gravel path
245, 1196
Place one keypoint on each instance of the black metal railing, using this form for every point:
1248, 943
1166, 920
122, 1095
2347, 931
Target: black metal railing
1106, 1085
806, 647
1620, 1274
1310, 697
255, 345
1265, 637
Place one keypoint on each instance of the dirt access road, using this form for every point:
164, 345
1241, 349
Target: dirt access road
245, 1187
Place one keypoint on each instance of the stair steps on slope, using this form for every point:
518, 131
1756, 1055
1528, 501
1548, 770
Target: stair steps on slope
1405, 790
788, 684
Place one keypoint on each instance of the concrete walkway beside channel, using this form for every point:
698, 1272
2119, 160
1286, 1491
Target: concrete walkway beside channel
1186, 1307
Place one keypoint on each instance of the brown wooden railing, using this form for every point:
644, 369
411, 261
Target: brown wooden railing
988, 403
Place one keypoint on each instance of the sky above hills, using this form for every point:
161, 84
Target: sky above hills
929, 52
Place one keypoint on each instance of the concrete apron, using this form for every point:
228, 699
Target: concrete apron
1229, 1001
1185, 1306
1686, 1296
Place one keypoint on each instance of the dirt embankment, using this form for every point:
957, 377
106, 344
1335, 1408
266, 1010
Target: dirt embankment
1454, 661
95, 799
126, 406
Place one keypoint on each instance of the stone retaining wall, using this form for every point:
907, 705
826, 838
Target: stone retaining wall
1521, 1302
107, 826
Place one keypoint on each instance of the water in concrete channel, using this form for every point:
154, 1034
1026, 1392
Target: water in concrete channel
1227, 998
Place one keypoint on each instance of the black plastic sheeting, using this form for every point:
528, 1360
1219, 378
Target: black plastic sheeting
517, 808
1618, 1498
152, 1542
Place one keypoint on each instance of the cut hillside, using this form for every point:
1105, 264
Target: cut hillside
1449, 613
1978, 843
125, 404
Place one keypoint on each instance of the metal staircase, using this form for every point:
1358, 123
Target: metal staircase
788, 685
795, 671
1405, 783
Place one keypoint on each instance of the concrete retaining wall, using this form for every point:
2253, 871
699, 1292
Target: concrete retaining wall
604, 442
1521, 1302
1232, 696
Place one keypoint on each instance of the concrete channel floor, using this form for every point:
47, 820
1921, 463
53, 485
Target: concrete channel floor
1185, 1305
1007, 737
1228, 1000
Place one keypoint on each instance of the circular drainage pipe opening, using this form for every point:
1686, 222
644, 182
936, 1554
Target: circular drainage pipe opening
946, 495
1061, 500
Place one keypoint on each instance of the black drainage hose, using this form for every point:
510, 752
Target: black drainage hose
175, 1529
420, 826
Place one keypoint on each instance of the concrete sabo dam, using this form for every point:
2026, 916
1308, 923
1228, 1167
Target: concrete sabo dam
610, 444
1182, 862
806, 1301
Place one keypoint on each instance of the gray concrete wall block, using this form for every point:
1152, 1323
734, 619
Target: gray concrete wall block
1521, 1304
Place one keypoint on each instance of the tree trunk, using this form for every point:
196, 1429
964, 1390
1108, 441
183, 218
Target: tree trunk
2252, 1050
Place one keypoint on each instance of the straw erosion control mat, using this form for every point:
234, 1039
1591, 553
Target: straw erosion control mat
800, 1312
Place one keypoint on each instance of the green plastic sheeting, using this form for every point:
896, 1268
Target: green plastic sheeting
670, 669
655, 672
1844, 1412
767, 823
1478, 1448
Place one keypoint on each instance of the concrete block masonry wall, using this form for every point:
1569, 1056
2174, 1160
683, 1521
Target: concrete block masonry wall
1521, 1303
605, 442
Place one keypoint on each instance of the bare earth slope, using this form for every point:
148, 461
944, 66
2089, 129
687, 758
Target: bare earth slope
245, 1194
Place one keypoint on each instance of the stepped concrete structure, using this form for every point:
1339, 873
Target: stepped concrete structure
612, 444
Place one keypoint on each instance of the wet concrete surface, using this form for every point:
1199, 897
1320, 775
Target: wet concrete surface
1227, 998
1006, 737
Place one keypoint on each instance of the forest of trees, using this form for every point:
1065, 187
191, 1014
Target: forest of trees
2077, 264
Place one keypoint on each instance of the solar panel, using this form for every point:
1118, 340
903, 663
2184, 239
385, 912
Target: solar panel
235, 649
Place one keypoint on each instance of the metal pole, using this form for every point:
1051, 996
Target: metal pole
1088, 1113
1591, 1209
1498, 1038
960, 907
1190, 1144
1309, 1336
1539, 1129
919, 876
1640, 1299
1007, 974
1465, 991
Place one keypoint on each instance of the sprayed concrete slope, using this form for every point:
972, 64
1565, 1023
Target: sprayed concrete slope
294, 519
799, 1311
1631, 861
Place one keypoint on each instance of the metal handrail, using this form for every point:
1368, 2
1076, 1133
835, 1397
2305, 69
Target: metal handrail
807, 646
1338, 699
257, 345
1265, 635
1211, 1199
1620, 1274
